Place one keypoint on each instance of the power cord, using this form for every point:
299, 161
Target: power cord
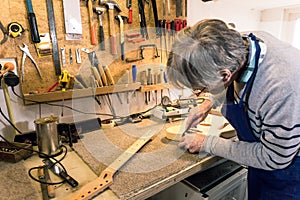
4, 116
41, 154
114, 117
58, 105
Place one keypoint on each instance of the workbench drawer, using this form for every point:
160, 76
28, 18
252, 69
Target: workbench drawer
223, 182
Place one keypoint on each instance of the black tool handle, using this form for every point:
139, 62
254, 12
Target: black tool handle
102, 42
123, 51
35, 36
69, 179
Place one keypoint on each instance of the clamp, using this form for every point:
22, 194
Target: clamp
141, 55
26, 53
64, 79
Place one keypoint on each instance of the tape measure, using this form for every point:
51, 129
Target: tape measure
15, 29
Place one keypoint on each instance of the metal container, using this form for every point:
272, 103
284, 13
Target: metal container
47, 136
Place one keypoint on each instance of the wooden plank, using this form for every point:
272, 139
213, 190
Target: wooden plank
78, 93
105, 179
147, 88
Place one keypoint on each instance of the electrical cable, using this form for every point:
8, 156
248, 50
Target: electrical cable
79, 111
59, 105
46, 156
10, 121
43, 154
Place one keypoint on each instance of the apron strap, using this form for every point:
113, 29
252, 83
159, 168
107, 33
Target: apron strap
250, 81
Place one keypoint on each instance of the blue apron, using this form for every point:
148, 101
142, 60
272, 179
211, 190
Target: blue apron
281, 184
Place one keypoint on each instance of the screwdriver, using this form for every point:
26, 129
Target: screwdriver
35, 36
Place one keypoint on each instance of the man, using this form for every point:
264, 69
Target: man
258, 75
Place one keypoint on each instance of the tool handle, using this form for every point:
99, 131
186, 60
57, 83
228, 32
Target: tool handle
164, 26
90, 11
172, 27
92, 26
180, 24
109, 77
134, 72
165, 77
97, 76
113, 37
113, 44
68, 179
51, 190
129, 20
184, 22
177, 25
93, 35
136, 40
103, 76
123, 51
50, 187
102, 42
35, 36
29, 6
168, 25
41, 176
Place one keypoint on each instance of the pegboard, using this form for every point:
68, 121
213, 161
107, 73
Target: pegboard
16, 11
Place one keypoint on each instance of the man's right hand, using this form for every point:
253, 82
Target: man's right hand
198, 114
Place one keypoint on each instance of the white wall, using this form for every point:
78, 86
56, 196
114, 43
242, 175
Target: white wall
244, 18
271, 20
278, 21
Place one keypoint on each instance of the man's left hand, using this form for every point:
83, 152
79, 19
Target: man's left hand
192, 142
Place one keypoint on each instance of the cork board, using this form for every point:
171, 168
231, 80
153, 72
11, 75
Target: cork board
158, 159
15, 11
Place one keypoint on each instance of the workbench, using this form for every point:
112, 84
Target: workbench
146, 174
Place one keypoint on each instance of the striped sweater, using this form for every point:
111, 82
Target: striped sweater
274, 112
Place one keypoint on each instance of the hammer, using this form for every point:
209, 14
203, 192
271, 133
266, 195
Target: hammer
121, 20
99, 12
92, 26
111, 5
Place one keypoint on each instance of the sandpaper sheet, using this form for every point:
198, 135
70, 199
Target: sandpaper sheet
15, 182
158, 159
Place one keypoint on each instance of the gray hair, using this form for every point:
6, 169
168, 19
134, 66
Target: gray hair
201, 51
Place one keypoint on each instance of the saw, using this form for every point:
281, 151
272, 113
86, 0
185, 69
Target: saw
105, 179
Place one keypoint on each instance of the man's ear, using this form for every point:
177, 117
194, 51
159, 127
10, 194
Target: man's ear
226, 75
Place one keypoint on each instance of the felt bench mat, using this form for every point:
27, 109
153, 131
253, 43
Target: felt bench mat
15, 182
157, 160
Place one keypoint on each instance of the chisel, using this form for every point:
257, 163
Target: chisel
35, 36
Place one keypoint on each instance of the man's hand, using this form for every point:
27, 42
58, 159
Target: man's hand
198, 114
192, 142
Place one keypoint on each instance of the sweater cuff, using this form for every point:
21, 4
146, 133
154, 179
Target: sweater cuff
208, 142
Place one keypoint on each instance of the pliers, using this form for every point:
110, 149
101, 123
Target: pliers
25, 54
5, 33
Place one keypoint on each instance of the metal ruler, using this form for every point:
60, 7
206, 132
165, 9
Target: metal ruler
105, 179
52, 28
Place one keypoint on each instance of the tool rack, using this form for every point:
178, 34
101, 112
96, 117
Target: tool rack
14, 10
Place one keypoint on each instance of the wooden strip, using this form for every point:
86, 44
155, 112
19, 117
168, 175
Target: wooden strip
105, 179
79, 93
147, 88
